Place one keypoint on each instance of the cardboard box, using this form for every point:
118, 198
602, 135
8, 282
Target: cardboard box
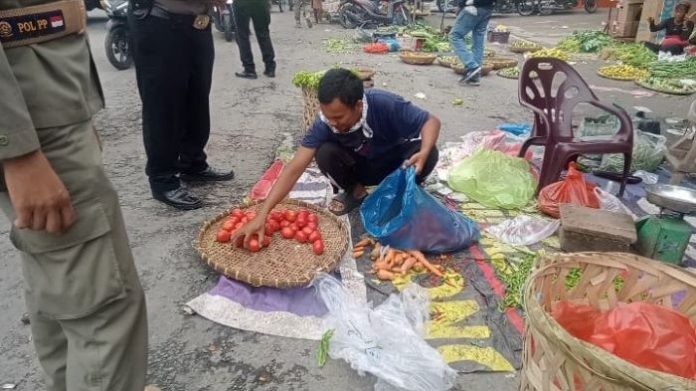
625, 30
651, 8
627, 19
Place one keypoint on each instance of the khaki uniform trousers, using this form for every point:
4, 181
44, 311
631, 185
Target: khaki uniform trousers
86, 305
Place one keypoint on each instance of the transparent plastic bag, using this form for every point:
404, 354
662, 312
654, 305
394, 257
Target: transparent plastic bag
524, 230
494, 179
384, 341
648, 153
608, 201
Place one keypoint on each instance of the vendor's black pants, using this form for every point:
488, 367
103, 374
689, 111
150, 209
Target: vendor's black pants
673, 49
174, 67
346, 168
258, 12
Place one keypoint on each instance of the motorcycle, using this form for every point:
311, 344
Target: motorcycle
363, 13
547, 7
117, 42
224, 22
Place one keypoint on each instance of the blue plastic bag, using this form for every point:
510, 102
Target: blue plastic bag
401, 214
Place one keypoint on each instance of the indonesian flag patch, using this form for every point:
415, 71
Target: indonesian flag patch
57, 21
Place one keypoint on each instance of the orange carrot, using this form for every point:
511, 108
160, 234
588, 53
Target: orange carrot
385, 275
426, 264
364, 243
358, 254
408, 264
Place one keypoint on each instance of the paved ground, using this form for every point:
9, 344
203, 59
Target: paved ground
189, 353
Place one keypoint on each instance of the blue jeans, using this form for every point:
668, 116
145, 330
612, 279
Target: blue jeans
477, 26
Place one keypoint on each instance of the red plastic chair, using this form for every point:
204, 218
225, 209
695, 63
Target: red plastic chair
552, 97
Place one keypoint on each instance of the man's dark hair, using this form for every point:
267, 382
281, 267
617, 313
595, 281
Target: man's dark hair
342, 84
683, 4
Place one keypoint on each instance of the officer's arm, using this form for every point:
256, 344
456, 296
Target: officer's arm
17, 134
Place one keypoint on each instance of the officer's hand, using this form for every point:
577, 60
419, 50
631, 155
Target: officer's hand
418, 160
39, 197
257, 227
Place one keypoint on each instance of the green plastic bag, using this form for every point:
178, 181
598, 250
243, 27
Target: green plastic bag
494, 179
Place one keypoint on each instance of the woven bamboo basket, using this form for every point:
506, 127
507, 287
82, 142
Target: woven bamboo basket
285, 263
486, 69
502, 62
554, 360
417, 58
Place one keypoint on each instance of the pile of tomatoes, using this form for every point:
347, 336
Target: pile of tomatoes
302, 226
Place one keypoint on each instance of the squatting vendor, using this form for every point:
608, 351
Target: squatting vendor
678, 29
358, 139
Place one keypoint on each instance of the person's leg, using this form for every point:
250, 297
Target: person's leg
242, 18
479, 34
341, 167
262, 20
197, 125
82, 273
675, 50
298, 12
161, 65
463, 25
652, 46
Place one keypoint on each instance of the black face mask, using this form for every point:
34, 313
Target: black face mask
356, 141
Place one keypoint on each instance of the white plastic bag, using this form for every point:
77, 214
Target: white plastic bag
608, 201
384, 341
524, 230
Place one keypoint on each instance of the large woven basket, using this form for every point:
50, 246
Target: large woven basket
555, 360
417, 58
502, 62
285, 263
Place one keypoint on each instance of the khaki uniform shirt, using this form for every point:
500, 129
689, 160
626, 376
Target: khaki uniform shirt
36, 93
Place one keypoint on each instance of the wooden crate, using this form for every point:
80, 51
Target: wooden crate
588, 229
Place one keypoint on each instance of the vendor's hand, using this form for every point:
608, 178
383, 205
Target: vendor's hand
418, 161
39, 197
256, 226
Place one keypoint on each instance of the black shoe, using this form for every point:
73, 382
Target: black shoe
246, 75
269, 72
179, 198
472, 76
208, 175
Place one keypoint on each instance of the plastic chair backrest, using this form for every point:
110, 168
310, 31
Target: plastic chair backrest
553, 94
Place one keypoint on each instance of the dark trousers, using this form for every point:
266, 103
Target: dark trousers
346, 169
174, 68
673, 49
259, 12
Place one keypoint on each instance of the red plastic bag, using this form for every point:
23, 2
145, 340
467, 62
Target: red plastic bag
378, 48
265, 184
572, 190
647, 335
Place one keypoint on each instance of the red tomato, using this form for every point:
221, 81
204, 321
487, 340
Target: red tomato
223, 236
254, 246
276, 226
238, 225
266, 241
287, 233
238, 213
304, 213
269, 230
277, 216
228, 226
312, 218
314, 236
308, 231
251, 215
290, 215
240, 242
318, 247
284, 224
233, 219
301, 223
301, 237
313, 226
294, 227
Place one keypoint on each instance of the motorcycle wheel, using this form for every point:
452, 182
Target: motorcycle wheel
117, 48
591, 6
545, 8
344, 16
229, 27
526, 8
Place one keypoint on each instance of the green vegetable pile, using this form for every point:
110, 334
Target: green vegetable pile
673, 70
435, 40
585, 42
339, 46
306, 79
323, 351
648, 154
633, 54
574, 276
514, 280
669, 86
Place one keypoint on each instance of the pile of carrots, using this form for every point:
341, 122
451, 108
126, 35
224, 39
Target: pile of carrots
390, 262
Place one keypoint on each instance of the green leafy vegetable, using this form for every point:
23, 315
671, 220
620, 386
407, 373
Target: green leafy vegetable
323, 351
514, 280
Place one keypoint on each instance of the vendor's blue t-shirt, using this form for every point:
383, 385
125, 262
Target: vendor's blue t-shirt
392, 119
